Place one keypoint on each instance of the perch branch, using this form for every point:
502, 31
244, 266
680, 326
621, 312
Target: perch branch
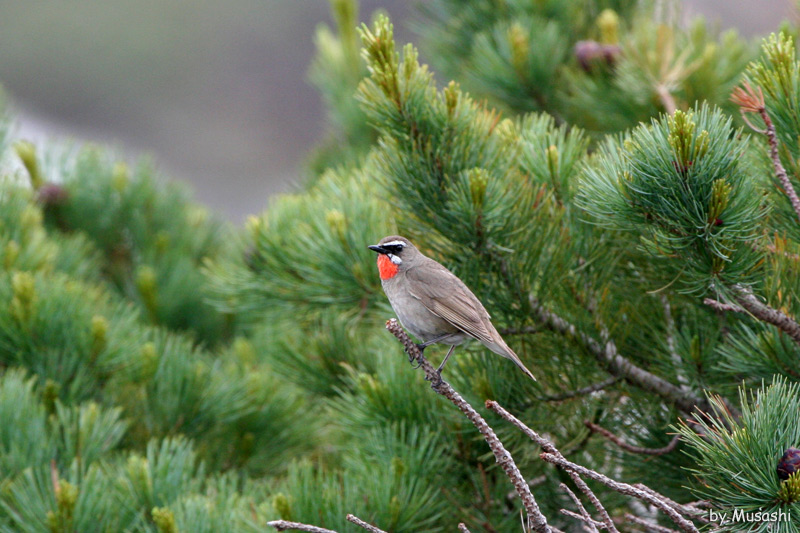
369, 527
539, 522
285, 525
630, 447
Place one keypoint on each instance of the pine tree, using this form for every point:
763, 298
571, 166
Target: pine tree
618, 189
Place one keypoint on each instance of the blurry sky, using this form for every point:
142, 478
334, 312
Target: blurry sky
215, 92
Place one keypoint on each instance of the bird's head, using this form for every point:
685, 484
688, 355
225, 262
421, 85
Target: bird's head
395, 254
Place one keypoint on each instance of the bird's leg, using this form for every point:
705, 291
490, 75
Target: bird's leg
432, 341
421, 347
441, 366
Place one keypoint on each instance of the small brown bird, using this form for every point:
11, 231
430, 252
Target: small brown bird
432, 303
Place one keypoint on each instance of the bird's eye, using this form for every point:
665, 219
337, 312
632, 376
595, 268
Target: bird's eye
394, 248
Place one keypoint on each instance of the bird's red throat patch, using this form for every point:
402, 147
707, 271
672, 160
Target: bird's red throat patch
386, 268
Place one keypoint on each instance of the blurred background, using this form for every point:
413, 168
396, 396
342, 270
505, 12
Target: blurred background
216, 93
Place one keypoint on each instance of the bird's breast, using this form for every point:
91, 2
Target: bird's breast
417, 318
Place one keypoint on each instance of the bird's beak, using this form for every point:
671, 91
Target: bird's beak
378, 248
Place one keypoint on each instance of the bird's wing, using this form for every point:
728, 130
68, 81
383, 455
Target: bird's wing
450, 299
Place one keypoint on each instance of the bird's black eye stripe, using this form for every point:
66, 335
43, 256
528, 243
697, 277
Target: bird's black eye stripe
394, 248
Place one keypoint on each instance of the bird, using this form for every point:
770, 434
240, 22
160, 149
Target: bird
433, 303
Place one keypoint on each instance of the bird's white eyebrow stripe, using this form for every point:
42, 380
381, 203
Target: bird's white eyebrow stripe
395, 243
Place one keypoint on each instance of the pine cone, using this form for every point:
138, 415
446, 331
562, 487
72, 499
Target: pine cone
590, 53
52, 194
789, 463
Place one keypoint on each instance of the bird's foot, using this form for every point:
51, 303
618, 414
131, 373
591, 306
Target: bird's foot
411, 358
438, 381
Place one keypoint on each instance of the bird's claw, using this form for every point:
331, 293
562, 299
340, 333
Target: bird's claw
411, 358
435, 385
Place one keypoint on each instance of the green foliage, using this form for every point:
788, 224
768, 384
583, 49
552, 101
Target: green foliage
152, 239
335, 72
604, 66
453, 172
777, 75
737, 458
391, 482
46, 325
680, 184
163, 372
337, 216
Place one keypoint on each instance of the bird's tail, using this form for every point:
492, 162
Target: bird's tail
501, 348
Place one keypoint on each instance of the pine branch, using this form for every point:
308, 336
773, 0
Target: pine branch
369, 527
630, 447
666, 98
582, 391
670, 337
767, 314
723, 307
651, 526
500, 453
622, 488
751, 100
585, 516
621, 367
748, 303
689, 509
591, 524
552, 455
549, 447
285, 525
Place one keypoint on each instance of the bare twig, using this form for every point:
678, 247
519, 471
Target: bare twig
722, 307
674, 356
369, 527
700, 504
666, 98
587, 518
620, 366
630, 447
589, 523
651, 526
689, 509
462, 527
535, 482
751, 100
503, 458
765, 313
582, 391
549, 447
285, 525
623, 488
